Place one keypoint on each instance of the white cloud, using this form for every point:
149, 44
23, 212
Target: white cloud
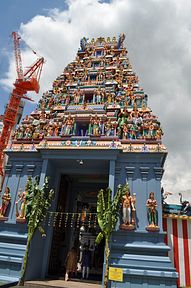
159, 43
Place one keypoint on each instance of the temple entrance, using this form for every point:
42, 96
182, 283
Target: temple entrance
76, 225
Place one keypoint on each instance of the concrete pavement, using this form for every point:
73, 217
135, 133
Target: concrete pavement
61, 283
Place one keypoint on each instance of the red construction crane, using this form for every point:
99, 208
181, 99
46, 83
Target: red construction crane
26, 81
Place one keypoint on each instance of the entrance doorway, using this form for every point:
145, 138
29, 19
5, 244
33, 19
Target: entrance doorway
76, 224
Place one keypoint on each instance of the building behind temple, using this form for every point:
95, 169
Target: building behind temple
92, 130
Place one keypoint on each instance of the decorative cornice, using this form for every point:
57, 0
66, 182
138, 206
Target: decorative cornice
117, 170
175, 216
158, 172
130, 172
30, 168
144, 172
19, 168
8, 168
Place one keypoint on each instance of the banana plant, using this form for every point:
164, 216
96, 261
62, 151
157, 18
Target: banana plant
108, 214
38, 201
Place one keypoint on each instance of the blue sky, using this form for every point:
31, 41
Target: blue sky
12, 14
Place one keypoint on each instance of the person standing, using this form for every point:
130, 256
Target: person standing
86, 261
71, 263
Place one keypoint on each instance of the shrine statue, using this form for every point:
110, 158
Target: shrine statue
121, 40
129, 211
83, 43
109, 128
6, 200
69, 124
96, 126
152, 213
20, 213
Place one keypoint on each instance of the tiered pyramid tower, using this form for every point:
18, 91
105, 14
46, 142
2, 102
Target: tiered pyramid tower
96, 101
96, 115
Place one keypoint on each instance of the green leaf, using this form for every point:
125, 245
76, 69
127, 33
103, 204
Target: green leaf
38, 202
42, 232
99, 238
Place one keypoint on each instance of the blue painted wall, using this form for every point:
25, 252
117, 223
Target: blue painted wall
143, 172
13, 236
141, 254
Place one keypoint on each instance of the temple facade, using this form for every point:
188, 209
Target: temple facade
92, 130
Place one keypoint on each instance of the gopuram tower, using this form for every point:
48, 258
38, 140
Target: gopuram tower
94, 124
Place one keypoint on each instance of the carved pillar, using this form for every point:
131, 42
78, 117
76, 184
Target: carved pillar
8, 168
112, 175
144, 173
30, 169
43, 171
158, 172
117, 176
18, 170
130, 173
142, 197
117, 182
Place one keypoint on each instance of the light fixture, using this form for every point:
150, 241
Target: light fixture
81, 162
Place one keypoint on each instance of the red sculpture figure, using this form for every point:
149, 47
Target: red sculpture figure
6, 199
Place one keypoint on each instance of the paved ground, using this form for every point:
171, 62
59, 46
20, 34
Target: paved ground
61, 283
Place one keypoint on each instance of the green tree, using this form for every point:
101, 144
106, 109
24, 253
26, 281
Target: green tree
108, 215
38, 202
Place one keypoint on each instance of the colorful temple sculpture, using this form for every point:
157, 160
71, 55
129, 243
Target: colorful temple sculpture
92, 130
96, 97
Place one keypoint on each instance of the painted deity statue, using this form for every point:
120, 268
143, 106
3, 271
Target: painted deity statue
20, 213
6, 200
109, 128
129, 211
69, 125
152, 213
94, 126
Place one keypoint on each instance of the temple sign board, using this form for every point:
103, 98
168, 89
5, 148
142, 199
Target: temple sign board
116, 274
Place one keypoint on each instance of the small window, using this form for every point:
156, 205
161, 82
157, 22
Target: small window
93, 77
98, 53
96, 64
89, 97
82, 129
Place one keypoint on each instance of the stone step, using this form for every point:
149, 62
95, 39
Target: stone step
60, 283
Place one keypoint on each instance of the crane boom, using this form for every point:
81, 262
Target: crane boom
28, 81
17, 50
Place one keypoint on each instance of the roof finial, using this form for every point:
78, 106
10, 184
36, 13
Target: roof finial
83, 43
121, 40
